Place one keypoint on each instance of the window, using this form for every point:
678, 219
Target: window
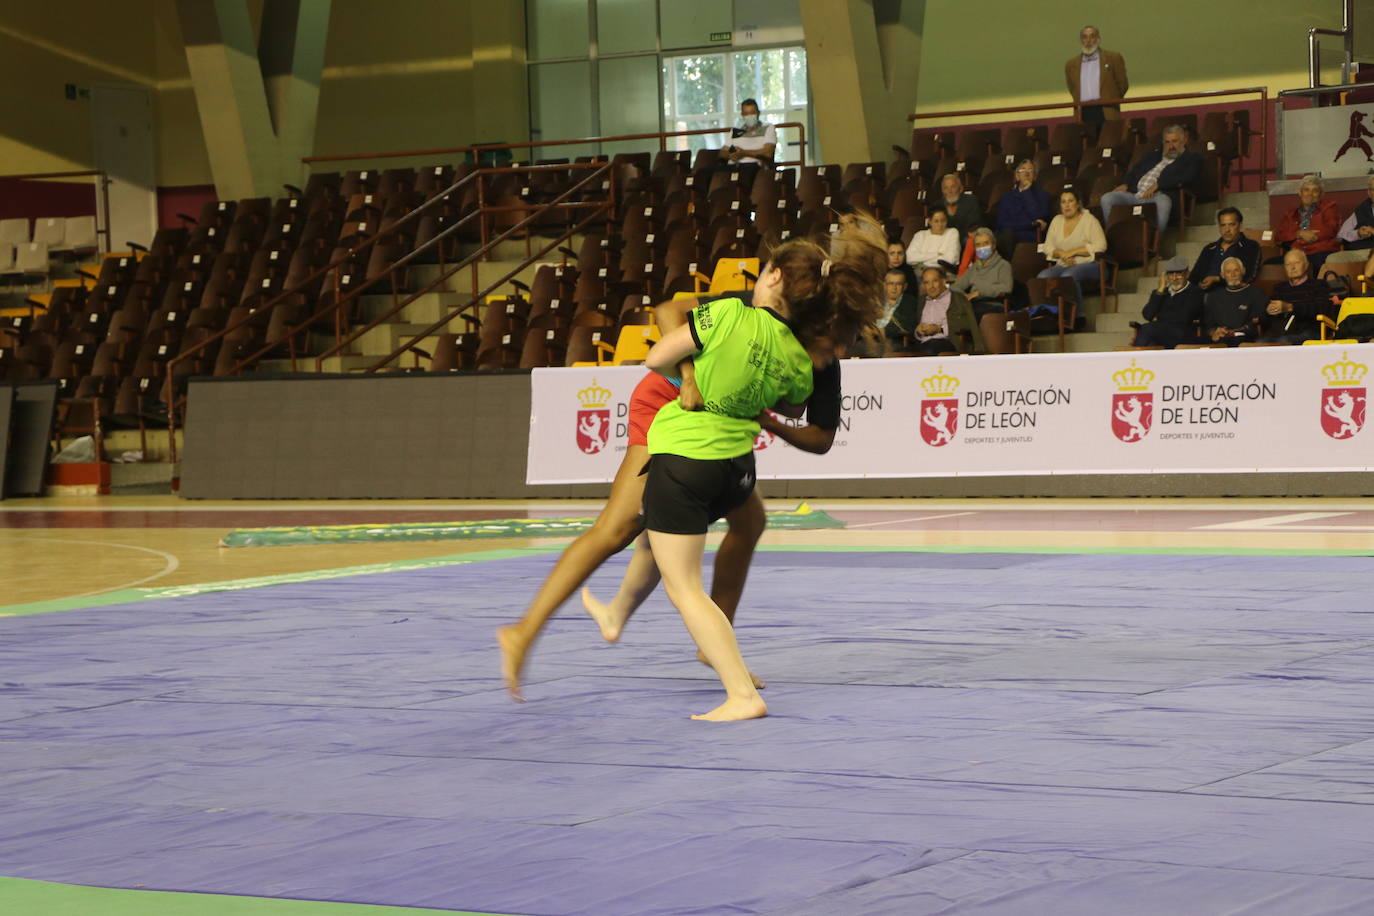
705, 90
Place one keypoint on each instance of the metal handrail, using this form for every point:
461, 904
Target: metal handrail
103, 206
465, 262
169, 390
661, 136
1262, 91
510, 275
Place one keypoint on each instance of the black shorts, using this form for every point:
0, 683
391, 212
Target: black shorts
685, 495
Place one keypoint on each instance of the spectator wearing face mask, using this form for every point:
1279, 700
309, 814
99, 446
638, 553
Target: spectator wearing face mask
1173, 311
988, 277
751, 145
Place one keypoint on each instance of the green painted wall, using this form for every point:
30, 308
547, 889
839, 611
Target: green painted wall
1003, 53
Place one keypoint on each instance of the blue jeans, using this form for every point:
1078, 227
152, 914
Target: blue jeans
1086, 270
1164, 205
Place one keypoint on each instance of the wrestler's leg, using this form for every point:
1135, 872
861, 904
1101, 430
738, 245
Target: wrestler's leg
679, 560
638, 583
616, 526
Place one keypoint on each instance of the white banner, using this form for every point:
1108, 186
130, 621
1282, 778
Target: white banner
1142, 412
1335, 142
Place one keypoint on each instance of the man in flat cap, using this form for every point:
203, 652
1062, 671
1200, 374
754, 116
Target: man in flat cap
1174, 309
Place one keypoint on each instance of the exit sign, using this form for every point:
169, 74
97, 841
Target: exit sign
720, 36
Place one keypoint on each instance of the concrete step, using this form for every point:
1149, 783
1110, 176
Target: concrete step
429, 307
1078, 342
385, 338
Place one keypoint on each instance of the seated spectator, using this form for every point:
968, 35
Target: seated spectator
1357, 232
872, 340
1073, 242
988, 278
960, 206
1230, 312
939, 243
1173, 310
1232, 244
1157, 178
1291, 316
896, 260
751, 145
929, 326
1311, 226
1024, 211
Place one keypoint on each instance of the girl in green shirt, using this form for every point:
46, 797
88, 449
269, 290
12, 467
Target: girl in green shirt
745, 360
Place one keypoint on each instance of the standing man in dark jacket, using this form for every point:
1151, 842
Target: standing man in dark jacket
1157, 178
1232, 244
1094, 74
1174, 309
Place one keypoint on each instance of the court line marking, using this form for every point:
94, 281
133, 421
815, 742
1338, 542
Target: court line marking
170, 563
1285, 523
132, 595
898, 521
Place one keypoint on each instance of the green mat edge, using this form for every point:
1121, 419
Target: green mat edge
800, 519
27, 897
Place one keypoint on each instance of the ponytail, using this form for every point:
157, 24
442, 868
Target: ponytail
835, 292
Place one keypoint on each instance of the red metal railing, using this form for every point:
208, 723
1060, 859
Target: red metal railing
1077, 107
661, 137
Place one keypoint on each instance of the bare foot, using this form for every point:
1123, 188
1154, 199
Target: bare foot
735, 710
601, 613
513, 645
758, 684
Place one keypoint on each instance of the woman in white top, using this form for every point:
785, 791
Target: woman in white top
931, 246
1073, 242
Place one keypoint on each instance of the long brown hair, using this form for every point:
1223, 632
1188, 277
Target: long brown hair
834, 293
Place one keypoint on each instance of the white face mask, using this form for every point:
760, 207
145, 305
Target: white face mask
983, 253
751, 120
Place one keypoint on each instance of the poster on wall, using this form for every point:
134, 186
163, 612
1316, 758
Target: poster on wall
1335, 142
1144, 412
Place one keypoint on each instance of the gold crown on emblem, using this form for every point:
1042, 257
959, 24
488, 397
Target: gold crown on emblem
940, 385
1344, 373
594, 396
1133, 378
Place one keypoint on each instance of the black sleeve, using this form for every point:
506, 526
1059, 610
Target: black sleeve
1152, 305
1251, 260
823, 409
1200, 268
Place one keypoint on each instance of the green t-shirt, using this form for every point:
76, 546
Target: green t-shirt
748, 361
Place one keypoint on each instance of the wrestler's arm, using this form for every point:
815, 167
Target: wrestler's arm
672, 348
809, 438
669, 316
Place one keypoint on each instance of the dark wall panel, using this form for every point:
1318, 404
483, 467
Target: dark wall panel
26, 469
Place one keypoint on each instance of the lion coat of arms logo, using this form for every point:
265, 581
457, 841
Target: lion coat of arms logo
939, 417
1344, 400
594, 419
1132, 404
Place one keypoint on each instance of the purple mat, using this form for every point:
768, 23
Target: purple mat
990, 733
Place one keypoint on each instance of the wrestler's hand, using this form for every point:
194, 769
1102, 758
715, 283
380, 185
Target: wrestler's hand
689, 396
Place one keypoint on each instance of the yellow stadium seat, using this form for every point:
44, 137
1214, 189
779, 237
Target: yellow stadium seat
634, 342
1354, 305
730, 274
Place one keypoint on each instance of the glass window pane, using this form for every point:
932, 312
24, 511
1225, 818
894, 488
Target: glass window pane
699, 85
626, 25
796, 70
557, 28
561, 107
629, 102
761, 76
